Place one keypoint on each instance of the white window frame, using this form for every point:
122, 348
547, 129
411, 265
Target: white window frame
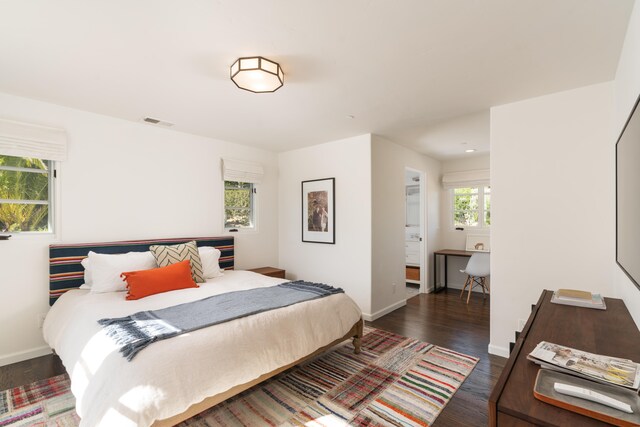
253, 205
52, 201
481, 211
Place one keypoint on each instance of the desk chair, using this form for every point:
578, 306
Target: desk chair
477, 271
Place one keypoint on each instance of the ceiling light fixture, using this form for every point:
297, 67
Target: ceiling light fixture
154, 121
470, 150
257, 74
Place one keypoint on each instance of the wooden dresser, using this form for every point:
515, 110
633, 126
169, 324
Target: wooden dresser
611, 332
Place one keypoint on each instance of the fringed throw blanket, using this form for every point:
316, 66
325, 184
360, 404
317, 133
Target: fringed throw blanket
137, 331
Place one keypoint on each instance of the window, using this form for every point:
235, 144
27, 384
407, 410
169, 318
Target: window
26, 194
471, 206
239, 205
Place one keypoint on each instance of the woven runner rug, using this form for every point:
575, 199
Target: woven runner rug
394, 381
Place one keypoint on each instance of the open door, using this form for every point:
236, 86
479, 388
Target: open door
415, 250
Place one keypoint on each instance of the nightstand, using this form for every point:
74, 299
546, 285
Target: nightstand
269, 271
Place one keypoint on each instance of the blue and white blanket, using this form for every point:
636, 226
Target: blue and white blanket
137, 331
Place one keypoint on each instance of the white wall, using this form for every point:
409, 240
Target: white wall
123, 180
368, 257
627, 89
552, 184
389, 161
450, 237
346, 264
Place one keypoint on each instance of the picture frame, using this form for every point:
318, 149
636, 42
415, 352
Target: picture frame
478, 243
318, 211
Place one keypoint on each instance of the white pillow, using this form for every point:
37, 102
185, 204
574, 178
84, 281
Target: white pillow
107, 268
88, 277
209, 257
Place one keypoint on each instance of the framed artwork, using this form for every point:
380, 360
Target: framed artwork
478, 243
319, 211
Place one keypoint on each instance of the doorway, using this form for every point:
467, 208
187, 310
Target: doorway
414, 233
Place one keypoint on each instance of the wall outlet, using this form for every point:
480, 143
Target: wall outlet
394, 287
521, 323
40, 319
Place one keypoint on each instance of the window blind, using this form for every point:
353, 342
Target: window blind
35, 141
242, 171
475, 178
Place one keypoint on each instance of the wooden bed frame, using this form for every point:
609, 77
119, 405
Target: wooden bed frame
66, 272
355, 332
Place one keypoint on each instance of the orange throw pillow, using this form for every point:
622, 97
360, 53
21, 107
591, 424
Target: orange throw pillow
157, 280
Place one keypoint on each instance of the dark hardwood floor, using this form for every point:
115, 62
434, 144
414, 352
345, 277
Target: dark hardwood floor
442, 319
29, 371
446, 320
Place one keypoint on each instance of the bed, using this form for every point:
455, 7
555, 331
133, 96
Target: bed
172, 380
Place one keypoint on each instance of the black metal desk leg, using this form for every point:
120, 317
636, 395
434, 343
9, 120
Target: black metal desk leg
435, 272
445, 272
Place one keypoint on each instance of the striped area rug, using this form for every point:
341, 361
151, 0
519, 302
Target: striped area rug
42, 403
394, 381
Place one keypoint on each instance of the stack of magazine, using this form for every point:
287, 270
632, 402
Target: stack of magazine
578, 298
596, 367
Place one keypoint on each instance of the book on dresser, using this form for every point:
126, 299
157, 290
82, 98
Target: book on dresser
595, 367
578, 298
594, 385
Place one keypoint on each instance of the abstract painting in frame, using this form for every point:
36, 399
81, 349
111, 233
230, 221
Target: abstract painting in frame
318, 211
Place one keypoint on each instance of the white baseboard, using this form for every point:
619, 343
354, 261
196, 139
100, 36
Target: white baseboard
378, 314
498, 351
19, 356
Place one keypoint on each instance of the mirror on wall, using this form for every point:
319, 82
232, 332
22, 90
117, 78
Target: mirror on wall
413, 206
627, 200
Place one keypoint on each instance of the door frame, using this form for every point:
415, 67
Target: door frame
422, 214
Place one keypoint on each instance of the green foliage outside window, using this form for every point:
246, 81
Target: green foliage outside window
487, 206
24, 194
238, 204
467, 204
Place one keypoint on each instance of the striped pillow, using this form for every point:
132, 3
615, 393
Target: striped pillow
170, 254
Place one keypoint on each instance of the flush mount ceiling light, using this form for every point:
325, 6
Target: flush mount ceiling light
257, 74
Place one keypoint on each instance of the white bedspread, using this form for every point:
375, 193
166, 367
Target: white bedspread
171, 375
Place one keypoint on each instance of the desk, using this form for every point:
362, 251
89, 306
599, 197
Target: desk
610, 332
445, 253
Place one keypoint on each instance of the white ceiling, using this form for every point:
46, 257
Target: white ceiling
397, 66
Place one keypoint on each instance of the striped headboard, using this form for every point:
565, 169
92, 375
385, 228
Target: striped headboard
66, 272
